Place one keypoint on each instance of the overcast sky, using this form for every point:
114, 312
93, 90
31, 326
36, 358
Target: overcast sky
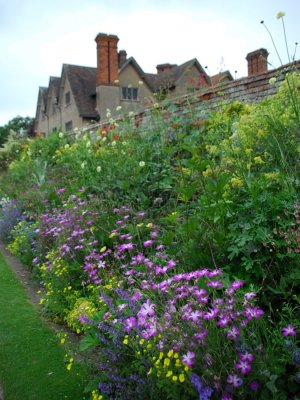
38, 36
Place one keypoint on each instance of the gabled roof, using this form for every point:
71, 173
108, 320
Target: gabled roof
170, 78
83, 85
144, 76
221, 77
42, 100
55, 82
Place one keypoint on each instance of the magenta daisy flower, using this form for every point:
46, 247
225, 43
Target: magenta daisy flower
243, 366
188, 359
234, 380
289, 330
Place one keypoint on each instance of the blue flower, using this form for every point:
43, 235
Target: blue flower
203, 390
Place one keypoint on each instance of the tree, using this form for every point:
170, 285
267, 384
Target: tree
23, 126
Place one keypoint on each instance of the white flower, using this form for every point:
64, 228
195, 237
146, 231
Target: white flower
88, 144
155, 105
104, 139
67, 146
142, 164
60, 135
98, 169
119, 108
280, 14
108, 114
83, 164
111, 120
272, 80
131, 114
101, 264
113, 143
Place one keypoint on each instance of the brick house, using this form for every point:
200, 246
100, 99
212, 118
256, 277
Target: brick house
82, 95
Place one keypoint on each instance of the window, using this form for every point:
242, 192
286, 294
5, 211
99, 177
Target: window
129, 93
69, 126
67, 98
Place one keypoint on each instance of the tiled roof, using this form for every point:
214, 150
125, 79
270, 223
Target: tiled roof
83, 85
169, 79
146, 77
221, 77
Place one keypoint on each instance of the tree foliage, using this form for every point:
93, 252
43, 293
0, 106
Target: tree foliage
21, 125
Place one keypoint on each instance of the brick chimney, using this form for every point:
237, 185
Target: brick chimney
122, 57
107, 59
164, 67
107, 84
257, 62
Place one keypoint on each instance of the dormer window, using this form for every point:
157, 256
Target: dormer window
129, 93
67, 99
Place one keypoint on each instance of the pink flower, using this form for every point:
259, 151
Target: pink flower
195, 315
188, 359
246, 357
147, 309
253, 313
148, 243
244, 367
289, 330
214, 284
129, 324
233, 332
234, 380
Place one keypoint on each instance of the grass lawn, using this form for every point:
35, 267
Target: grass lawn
32, 362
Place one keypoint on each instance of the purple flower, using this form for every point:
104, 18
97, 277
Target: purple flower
188, 359
129, 324
226, 396
253, 313
289, 330
203, 390
243, 366
147, 309
214, 284
246, 357
148, 243
254, 386
233, 332
235, 380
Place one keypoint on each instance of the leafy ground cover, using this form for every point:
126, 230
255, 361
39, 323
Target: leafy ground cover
171, 249
32, 363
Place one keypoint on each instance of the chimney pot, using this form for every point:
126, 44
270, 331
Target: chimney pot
164, 67
122, 57
257, 62
107, 59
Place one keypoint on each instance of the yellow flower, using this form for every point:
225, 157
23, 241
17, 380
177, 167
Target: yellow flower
175, 378
169, 373
258, 160
170, 353
181, 378
166, 362
102, 250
